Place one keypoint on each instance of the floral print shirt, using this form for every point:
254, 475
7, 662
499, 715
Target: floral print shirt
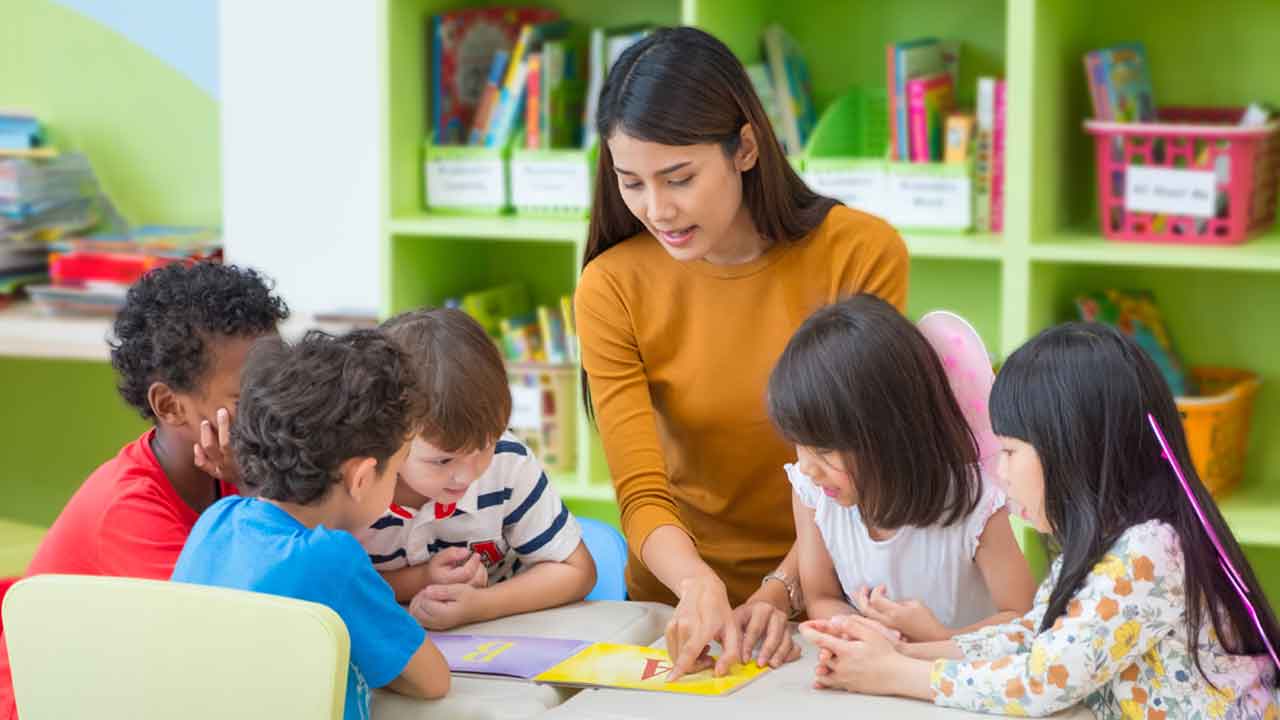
1120, 648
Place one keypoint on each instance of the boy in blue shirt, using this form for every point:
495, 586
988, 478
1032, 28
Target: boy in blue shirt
322, 429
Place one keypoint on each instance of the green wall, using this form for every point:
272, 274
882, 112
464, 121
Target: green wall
152, 136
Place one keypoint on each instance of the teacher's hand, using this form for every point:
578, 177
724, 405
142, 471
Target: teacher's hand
702, 615
766, 625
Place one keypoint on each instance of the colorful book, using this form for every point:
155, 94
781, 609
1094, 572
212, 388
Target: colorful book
929, 99
982, 146
959, 138
891, 79
489, 100
912, 59
551, 326
570, 329
504, 656
533, 127
463, 43
1096, 75
635, 667
1127, 83
791, 86
997, 160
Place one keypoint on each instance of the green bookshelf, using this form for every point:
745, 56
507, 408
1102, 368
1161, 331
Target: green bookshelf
1217, 300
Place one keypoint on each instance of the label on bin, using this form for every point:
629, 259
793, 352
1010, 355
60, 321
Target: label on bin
526, 407
859, 188
550, 183
1169, 191
930, 200
465, 183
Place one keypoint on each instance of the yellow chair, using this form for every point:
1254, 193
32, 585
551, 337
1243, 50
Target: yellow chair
128, 649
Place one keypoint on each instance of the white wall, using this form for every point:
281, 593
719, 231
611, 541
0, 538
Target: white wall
300, 129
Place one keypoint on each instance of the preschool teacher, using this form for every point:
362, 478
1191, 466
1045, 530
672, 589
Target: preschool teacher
705, 253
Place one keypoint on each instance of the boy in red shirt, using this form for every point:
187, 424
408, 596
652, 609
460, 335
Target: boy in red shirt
179, 344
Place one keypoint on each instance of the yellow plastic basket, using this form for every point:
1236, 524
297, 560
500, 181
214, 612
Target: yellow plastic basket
1217, 425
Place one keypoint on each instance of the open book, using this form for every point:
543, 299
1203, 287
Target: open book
576, 663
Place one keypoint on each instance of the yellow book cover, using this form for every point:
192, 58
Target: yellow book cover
635, 667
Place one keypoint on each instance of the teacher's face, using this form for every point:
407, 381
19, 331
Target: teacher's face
688, 196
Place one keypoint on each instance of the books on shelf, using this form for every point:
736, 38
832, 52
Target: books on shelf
929, 99
791, 88
20, 131
1120, 83
907, 61
463, 43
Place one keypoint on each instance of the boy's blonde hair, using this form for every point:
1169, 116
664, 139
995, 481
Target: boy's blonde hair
460, 375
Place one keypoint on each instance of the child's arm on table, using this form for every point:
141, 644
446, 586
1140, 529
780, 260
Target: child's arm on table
425, 676
546, 584
823, 596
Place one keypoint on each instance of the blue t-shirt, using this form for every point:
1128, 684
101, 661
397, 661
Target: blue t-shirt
251, 544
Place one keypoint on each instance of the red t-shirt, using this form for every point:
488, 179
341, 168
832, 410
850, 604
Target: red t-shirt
125, 520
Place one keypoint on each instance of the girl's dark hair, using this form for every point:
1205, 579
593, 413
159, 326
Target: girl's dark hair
1079, 394
860, 379
682, 86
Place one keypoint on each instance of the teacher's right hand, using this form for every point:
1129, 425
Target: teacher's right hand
702, 615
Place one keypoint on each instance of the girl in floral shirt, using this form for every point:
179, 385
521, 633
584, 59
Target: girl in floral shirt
1138, 618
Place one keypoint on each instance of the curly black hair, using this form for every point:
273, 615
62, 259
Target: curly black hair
308, 407
162, 332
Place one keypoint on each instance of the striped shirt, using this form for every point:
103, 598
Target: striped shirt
510, 516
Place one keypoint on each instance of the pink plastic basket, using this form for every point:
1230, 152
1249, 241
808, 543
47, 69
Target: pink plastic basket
1245, 160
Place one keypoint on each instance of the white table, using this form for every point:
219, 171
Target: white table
783, 693
470, 698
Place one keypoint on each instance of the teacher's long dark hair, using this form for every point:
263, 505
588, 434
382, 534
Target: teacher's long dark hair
1079, 394
682, 86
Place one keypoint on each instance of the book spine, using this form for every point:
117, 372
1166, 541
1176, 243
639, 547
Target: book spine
890, 63
570, 330
997, 161
918, 121
533, 104
437, 79
508, 110
986, 110
488, 101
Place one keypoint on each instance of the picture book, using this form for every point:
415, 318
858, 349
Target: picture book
504, 656
791, 87
959, 138
1120, 83
635, 667
912, 59
563, 93
929, 99
463, 43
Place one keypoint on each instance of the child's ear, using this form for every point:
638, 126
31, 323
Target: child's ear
166, 405
748, 149
358, 475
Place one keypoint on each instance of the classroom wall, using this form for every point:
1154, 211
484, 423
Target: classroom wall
134, 86
300, 129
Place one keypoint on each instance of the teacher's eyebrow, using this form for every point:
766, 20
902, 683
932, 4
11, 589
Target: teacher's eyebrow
663, 171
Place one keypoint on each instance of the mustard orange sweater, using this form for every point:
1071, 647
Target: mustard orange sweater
678, 357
